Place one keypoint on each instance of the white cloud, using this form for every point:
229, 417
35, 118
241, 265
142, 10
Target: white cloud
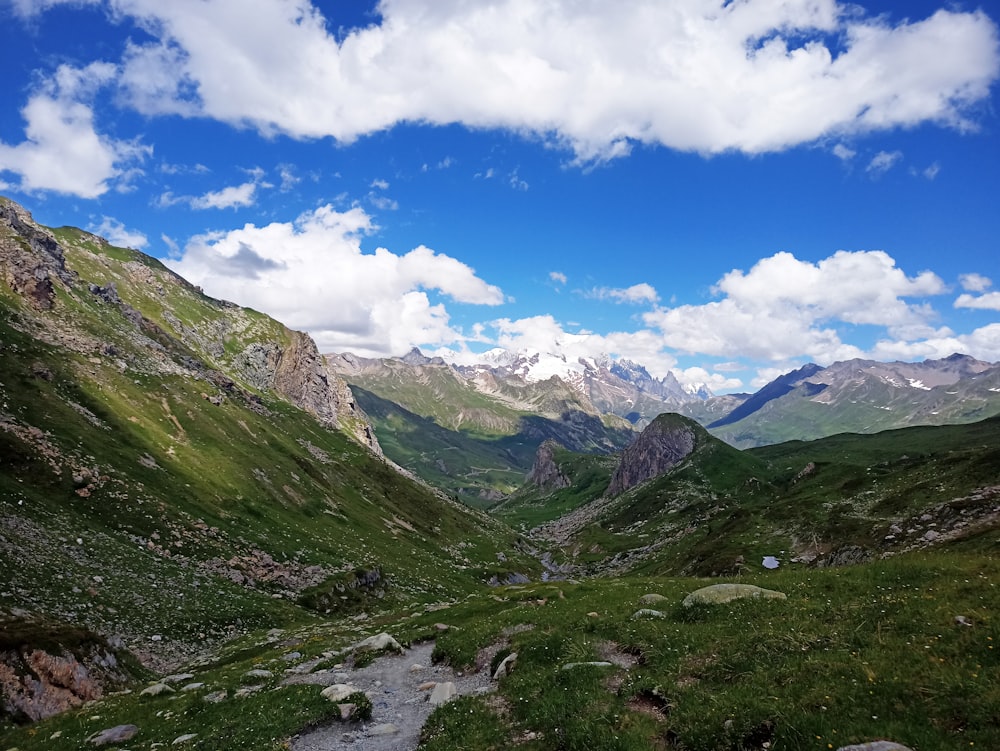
29, 8
288, 177
931, 172
62, 150
117, 234
982, 343
558, 277
231, 197
637, 293
975, 282
843, 153
883, 161
784, 308
754, 76
380, 184
987, 301
311, 274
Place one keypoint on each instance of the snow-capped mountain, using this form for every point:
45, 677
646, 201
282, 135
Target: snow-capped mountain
620, 387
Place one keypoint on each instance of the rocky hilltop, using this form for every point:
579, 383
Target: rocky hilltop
664, 444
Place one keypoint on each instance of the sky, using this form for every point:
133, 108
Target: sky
721, 190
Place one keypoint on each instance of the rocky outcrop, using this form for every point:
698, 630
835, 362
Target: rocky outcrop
30, 257
545, 473
664, 444
47, 668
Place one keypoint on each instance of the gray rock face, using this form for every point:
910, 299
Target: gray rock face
545, 473
30, 257
665, 443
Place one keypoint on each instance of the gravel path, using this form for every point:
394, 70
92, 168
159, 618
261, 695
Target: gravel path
392, 685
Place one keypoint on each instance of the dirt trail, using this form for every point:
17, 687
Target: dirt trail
397, 701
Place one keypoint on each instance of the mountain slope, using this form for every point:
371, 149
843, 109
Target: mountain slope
177, 466
863, 396
473, 434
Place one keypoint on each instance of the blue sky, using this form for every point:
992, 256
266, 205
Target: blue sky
725, 190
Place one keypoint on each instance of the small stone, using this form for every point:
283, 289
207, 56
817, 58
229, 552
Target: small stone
961, 620
442, 626
346, 711
443, 693
258, 673
192, 686
599, 664
156, 689
647, 613
426, 685
216, 697
117, 734
876, 746
930, 535
386, 729
593, 614
291, 656
506, 665
183, 738
416, 667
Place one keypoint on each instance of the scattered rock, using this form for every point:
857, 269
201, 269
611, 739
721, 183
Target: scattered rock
443, 692
416, 667
593, 614
505, 666
386, 729
379, 643
717, 594
117, 734
647, 613
876, 746
193, 687
258, 673
426, 685
338, 692
961, 620
599, 664
156, 689
184, 738
346, 711
216, 697
651, 599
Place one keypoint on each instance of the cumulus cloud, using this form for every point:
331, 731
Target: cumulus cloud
558, 277
62, 151
988, 301
753, 76
637, 293
118, 234
975, 282
311, 274
785, 308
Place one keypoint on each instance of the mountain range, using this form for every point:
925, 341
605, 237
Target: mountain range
189, 485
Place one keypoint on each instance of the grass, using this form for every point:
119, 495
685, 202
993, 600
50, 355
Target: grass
853, 655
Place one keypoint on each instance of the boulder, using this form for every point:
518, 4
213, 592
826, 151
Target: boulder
651, 599
647, 613
505, 666
156, 689
717, 594
117, 734
876, 746
442, 693
338, 692
379, 643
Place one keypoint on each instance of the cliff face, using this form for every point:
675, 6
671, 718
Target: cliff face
176, 328
545, 473
665, 443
